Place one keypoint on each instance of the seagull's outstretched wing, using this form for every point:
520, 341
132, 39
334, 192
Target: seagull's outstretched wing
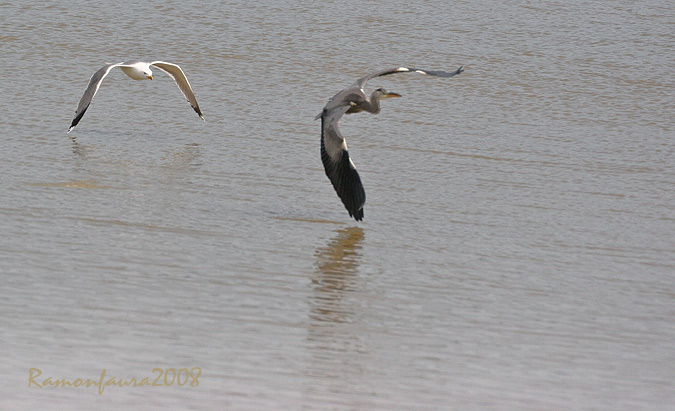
181, 81
339, 167
360, 83
90, 92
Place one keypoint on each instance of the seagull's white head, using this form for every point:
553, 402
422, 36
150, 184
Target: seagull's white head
138, 71
147, 73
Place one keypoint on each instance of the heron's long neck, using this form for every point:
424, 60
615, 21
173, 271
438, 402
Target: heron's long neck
373, 105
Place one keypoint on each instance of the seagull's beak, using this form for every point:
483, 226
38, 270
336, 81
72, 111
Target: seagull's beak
150, 77
391, 94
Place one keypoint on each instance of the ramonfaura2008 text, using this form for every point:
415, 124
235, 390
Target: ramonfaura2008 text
181, 377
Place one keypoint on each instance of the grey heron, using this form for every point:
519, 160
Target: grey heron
339, 167
137, 70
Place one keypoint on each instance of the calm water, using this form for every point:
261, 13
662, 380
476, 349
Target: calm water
517, 250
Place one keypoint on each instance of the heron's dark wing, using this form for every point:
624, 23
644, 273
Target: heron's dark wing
181, 81
360, 83
339, 167
90, 92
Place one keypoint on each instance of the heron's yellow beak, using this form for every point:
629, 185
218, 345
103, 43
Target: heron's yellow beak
390, 94
150, 77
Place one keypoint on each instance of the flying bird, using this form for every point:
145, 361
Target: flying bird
334, 152
137, 70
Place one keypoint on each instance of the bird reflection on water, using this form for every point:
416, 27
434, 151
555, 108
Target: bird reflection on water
336, 343
337, 268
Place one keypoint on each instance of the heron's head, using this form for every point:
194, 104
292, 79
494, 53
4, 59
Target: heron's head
148, 73
383, 93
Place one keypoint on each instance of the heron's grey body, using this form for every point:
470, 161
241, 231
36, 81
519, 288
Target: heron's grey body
334, 152
137, 70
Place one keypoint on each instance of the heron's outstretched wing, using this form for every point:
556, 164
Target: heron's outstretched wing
90, 92
360, 83
339, 167
181, 81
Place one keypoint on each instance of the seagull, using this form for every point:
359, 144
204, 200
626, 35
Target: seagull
339, 167
137, 70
